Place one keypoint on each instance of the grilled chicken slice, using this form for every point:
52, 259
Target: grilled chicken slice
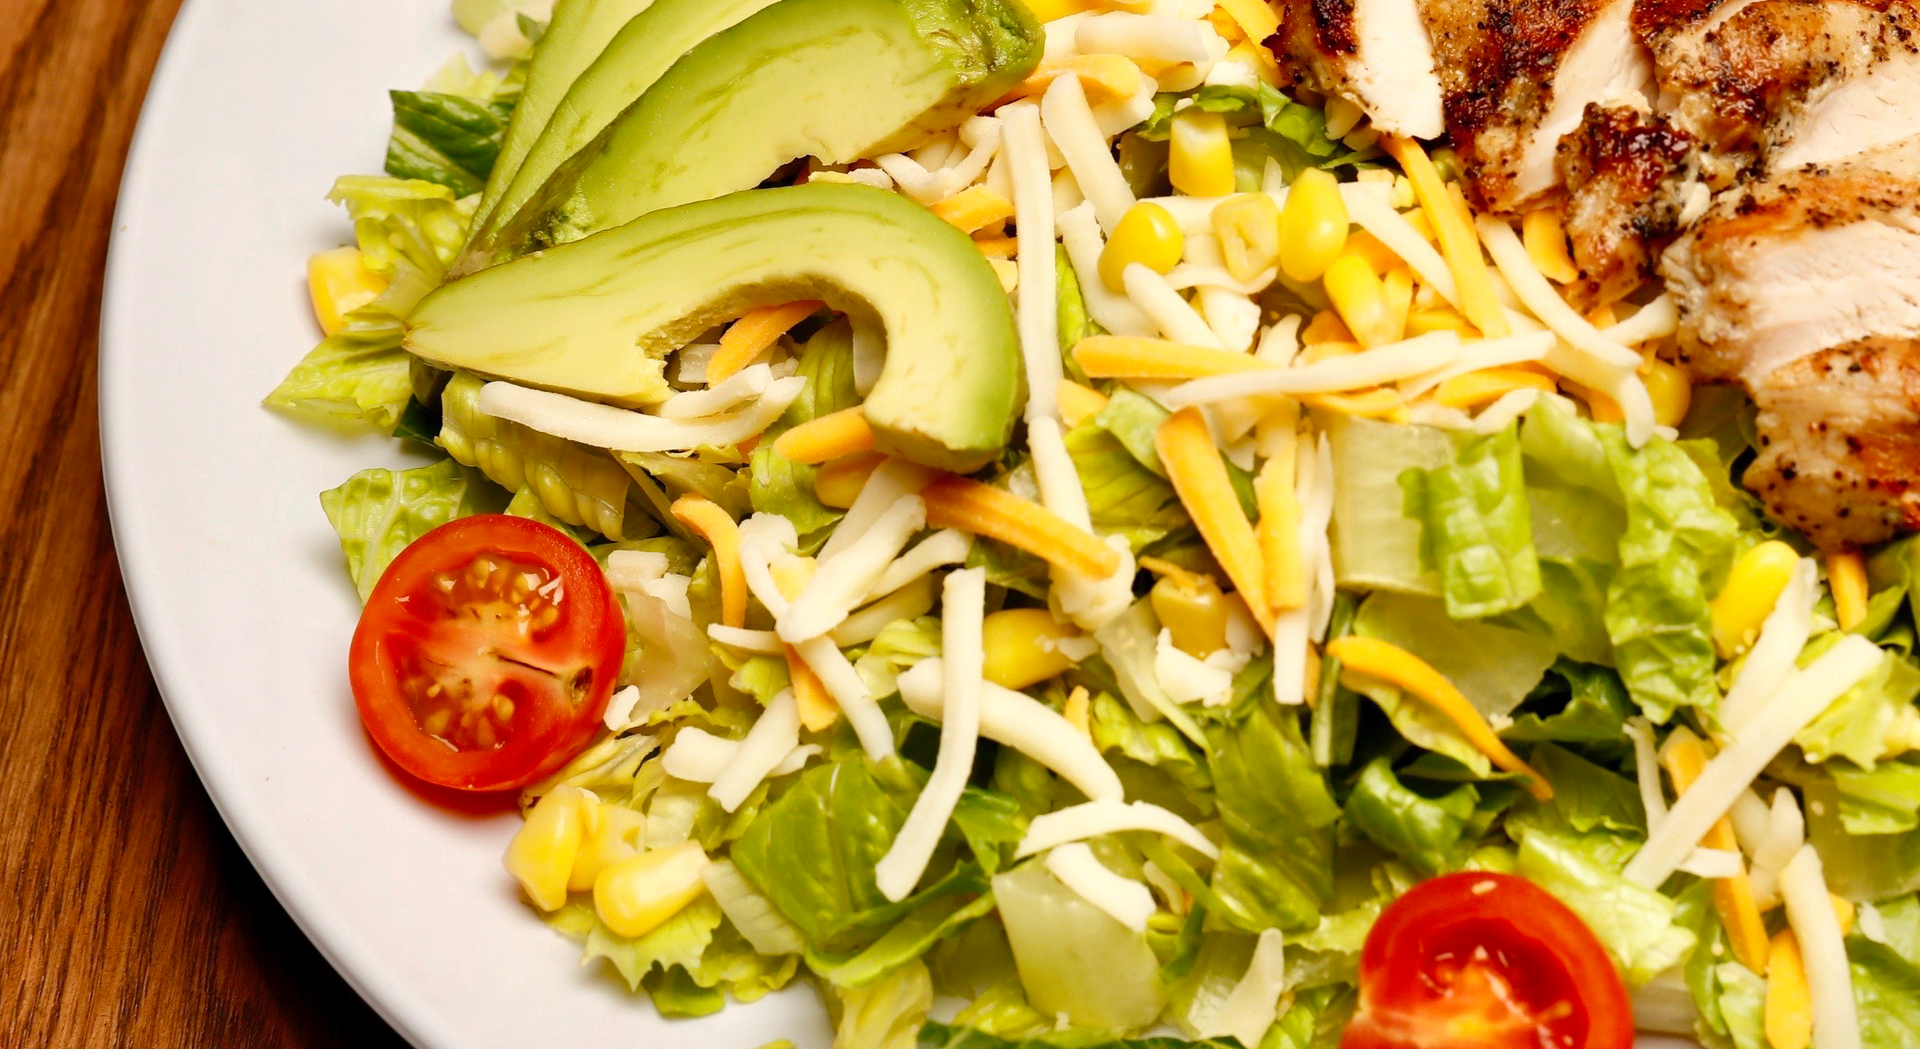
1777, 84
1375, 53
1840, 443
1814, 258
1519, 74
1631, 185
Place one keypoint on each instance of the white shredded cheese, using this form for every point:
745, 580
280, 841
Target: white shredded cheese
671, 591
1061, 36
1316, 499
737, 389
1186, 678
1502, 412
1123, 899
1080, 233
1376, 216
1254, 1003
949, 546
698, 756
1170, 313
762, 642
849, 692
1035, 305
1124, 114
603, 426
892, 481
1539, 296
620, 705
1656, 320
1017, 720
1069, 122
907, 602
1646, 771
1093, 818
1713, 863
633, 569
1836, 1024
1194, 215
762, 750
1479, 354
1160, 37
1093, 603
1770, 659
1281, 342
1784, 830
1053, 468
963, 606
1802, 698
1382, 364
844, 579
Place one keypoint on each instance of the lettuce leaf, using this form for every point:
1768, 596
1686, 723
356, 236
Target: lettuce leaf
1375, 545
1593, 805
1574, 703
1635, 924
1855, 726
408, 231
1476, 527
1276, 868
899, 645
445, 138
1426, 832
378, 512
1861, 867
778, 485
1075, 323
1885, 800
1302, 127
883, 1015
1886, 991
943, 1036
1118, 732
1123, 496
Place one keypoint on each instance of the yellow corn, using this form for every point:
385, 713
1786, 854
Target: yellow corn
1417, 218
1021, 647
1670, 389
1254, 17
1396, 666
1193, 610
1007, 273
1487, 385
1753, 585
830, 436
1847, 578
542, 852
1789, 1009
1077, 403
1420, 322
1260, 60
635, 895
614, 836
1200, 157
1146, 234
1398, 283
839, 482
706, 519
1313, 225
1079, 709
1200, 480
1732, 897
749, 336
340, 283
1279, 533
1546, 241
1326, 326
1360, 299
1249, 230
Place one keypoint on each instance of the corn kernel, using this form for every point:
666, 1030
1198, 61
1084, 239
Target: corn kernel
614, 836
1671, 391
1020, 647
1753, 585
1313, 226
1326, 326
1249, 230
542, 852
1193, 610
1200, 156
1146, 234
635, 895
1847, 578
1360, 299
339, 283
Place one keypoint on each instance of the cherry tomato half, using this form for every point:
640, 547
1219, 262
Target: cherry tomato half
486, 653
1486, 961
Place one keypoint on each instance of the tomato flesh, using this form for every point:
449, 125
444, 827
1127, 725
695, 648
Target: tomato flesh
486, 653
1488, 961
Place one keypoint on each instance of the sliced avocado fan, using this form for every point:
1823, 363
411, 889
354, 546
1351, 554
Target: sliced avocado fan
576, 35
645, 48
832, 79
598, 317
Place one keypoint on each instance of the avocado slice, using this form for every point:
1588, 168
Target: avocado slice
598, 317
645, 48
577, 33
833, 79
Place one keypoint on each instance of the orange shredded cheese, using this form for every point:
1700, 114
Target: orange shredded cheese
973, 209
1200, 479
1381, 403
1326, 326
706, 519
1396, 666
1279, 535
749, 336
997, 247
1133, 357
1545, 238
1077, 403
957, 502
1105, 78
817, 709
1847, 578
1488, 385
1078, 710
1254, 17
1789, 1007
1732, 897
830, 436
1446, 209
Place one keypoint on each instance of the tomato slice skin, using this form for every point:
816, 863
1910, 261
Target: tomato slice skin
1486, 961
486, 653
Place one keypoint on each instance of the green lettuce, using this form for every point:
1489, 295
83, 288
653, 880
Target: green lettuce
1276, 867
1298, 131
378, 512
1575, 703
408, 231
884, 1015
1075, 323
1886, 992
778, 485
1123, 497
1476, 527
1375, 545
1134, 420
1426, 832
1119, 733
1884, 800
685, 964
1855, 726
1635, 924
899, 645
446, 138
1861, 867
1590, 804
943, 1036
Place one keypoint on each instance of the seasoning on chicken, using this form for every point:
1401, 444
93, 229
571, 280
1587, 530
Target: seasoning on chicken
1631, 186
1375, 53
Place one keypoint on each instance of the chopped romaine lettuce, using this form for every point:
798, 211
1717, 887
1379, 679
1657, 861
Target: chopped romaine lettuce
1635, 924
378, 512
446, 138
1275, 869
1475, 527
1425, 832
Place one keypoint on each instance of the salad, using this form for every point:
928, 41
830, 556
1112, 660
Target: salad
1102, 549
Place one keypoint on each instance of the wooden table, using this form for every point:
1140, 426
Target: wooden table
128, 916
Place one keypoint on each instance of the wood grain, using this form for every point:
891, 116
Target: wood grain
128, 917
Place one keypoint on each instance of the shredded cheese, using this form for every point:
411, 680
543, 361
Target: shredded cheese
1254, 1003
1077, 403
1656, 320
968, 505
1279, 534
744, 385
705, 518
1545, 303
973, 209
1789, 1003
1501, 413
752, 334
1453, 222
1091, 819
1162, 38
698, 756
1170, 313
1732, 893
1546, 241
1401, 237
1017, 720
1069, 122
1200, 479
760, 642
620, 430
817, 709
1128, 357
1035, 302
1354, 371
1646, 770
1396, 666
946, 547
763, 748
1847, 577
1123, 899
1770, 660
1802, 698
1080, 234
963, 605
910, 601
891, 481
1810, 912
1110, 78
829, 436
846, 577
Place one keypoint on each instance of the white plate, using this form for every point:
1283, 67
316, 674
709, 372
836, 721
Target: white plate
236, 579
